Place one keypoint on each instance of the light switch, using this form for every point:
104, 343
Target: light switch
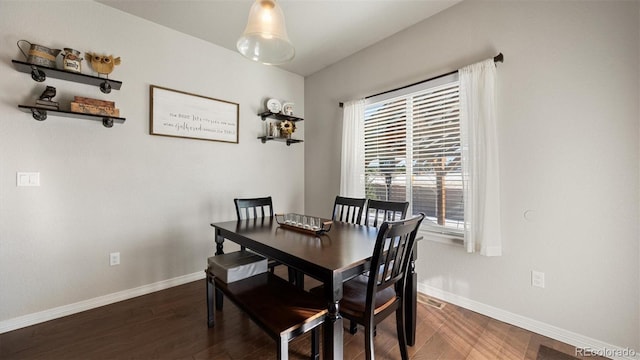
28, 179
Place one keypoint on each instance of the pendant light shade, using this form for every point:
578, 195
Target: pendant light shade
265, 38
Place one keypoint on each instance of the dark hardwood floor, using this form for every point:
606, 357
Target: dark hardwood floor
171, 324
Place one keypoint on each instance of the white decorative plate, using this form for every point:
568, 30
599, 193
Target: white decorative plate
274, 105
287, 108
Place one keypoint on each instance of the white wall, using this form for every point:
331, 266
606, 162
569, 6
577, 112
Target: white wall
102, 190
569, 133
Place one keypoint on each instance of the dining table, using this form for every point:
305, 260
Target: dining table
331, 257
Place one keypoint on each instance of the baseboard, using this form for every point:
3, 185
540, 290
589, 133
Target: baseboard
556, 333
58, 312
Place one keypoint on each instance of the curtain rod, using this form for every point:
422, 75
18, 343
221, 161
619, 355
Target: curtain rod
496, 59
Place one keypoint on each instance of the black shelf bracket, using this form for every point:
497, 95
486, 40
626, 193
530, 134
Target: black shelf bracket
39, 114
37, 74
105, 87
107, 122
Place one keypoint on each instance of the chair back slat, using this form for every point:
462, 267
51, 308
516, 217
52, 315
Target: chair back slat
391, 257
379, 211
254, 208
347, 209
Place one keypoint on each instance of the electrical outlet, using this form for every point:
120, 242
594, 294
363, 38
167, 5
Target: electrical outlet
537, 279
28, 179
114, 258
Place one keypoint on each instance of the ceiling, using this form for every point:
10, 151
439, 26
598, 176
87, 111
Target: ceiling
323, 32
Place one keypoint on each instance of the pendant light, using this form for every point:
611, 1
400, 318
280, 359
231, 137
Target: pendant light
265, 38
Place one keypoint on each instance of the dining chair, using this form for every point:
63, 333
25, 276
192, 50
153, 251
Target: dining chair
376, 213
254, 208
368, 300
379, 211
348, 209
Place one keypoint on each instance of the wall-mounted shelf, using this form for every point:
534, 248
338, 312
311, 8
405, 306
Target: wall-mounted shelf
40, 114
282, 117
281, 139
39, 73
278, 116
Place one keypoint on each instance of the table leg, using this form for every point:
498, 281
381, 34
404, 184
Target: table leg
211, 316
411, 298
219, 250
219, 242
333, 331
296, 277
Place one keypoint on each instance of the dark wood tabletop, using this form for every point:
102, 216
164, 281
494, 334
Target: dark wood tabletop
344, 247
331, 258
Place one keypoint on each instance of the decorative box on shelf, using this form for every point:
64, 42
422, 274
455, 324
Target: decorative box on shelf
94, 106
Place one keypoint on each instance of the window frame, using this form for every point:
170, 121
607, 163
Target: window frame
437, 233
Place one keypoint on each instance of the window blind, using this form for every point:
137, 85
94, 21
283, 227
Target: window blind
412, 153
385, 144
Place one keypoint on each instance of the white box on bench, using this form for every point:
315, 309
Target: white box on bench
237, 265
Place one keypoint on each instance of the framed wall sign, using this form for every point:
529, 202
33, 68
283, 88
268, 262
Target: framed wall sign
180, 114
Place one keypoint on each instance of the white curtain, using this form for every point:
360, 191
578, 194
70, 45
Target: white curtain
352, 161
480, 165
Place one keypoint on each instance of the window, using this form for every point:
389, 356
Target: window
413, 152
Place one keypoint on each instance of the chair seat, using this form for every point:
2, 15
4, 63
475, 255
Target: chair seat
354, 296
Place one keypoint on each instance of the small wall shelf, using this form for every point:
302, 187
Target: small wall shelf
278, 116
282, 117
281, 139
40, 114
39, 73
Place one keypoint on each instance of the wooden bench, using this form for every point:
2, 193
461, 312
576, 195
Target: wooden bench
281, 309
